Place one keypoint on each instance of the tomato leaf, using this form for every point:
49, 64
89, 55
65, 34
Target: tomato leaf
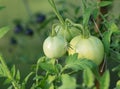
1, 7
13, 71
72, 62
106, 40
7, 81
104, 3
105, 80
17, 77
50, 80
86, 16
88, 78
47, 82
68, 82
3, 31
26, 79
118, 85
95, 13
112, 27
117, 68
77, 10
48, 67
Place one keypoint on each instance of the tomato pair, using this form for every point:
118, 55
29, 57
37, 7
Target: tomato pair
55, 46
89, 47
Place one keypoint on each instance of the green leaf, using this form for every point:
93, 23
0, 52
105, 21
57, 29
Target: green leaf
13, 71
27, 77
68, 82
118, 85
95, 13
117, 68
72, 62
18, 75
106, 40
1, 7
115, 55
105, 80
88, 78
86, 16
48, 67
77, 10
41, 59
50, 80
112, 27
10, 87
104, 3
3, 31
7, 81
76, 64
2, 71
47, 82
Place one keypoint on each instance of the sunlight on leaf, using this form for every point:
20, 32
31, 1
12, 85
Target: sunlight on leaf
68, 82
105, 80
104, 3
88, 78
112, 27
72, 62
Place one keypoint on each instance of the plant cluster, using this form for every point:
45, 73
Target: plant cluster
76, 55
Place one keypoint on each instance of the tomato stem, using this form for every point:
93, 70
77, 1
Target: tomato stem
80, 26
53, 30
52, 3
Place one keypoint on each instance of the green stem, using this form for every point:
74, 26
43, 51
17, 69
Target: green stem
104, 19
53, 30
74, 24
97, 28
37, 74
27, 8
83, 6
52, 3
85, 34
62, 70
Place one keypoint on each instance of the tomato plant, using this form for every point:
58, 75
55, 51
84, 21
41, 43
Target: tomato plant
87, 64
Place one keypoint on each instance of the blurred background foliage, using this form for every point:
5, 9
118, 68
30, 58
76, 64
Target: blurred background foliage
30, 22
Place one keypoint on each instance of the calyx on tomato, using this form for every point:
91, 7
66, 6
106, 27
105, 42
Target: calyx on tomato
67, 32
89, 48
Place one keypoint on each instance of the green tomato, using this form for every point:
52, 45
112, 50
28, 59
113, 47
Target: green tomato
54, 47
89, 48
69, 33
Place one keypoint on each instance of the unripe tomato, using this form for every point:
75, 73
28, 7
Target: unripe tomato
89, 48
69, 33
54, 47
